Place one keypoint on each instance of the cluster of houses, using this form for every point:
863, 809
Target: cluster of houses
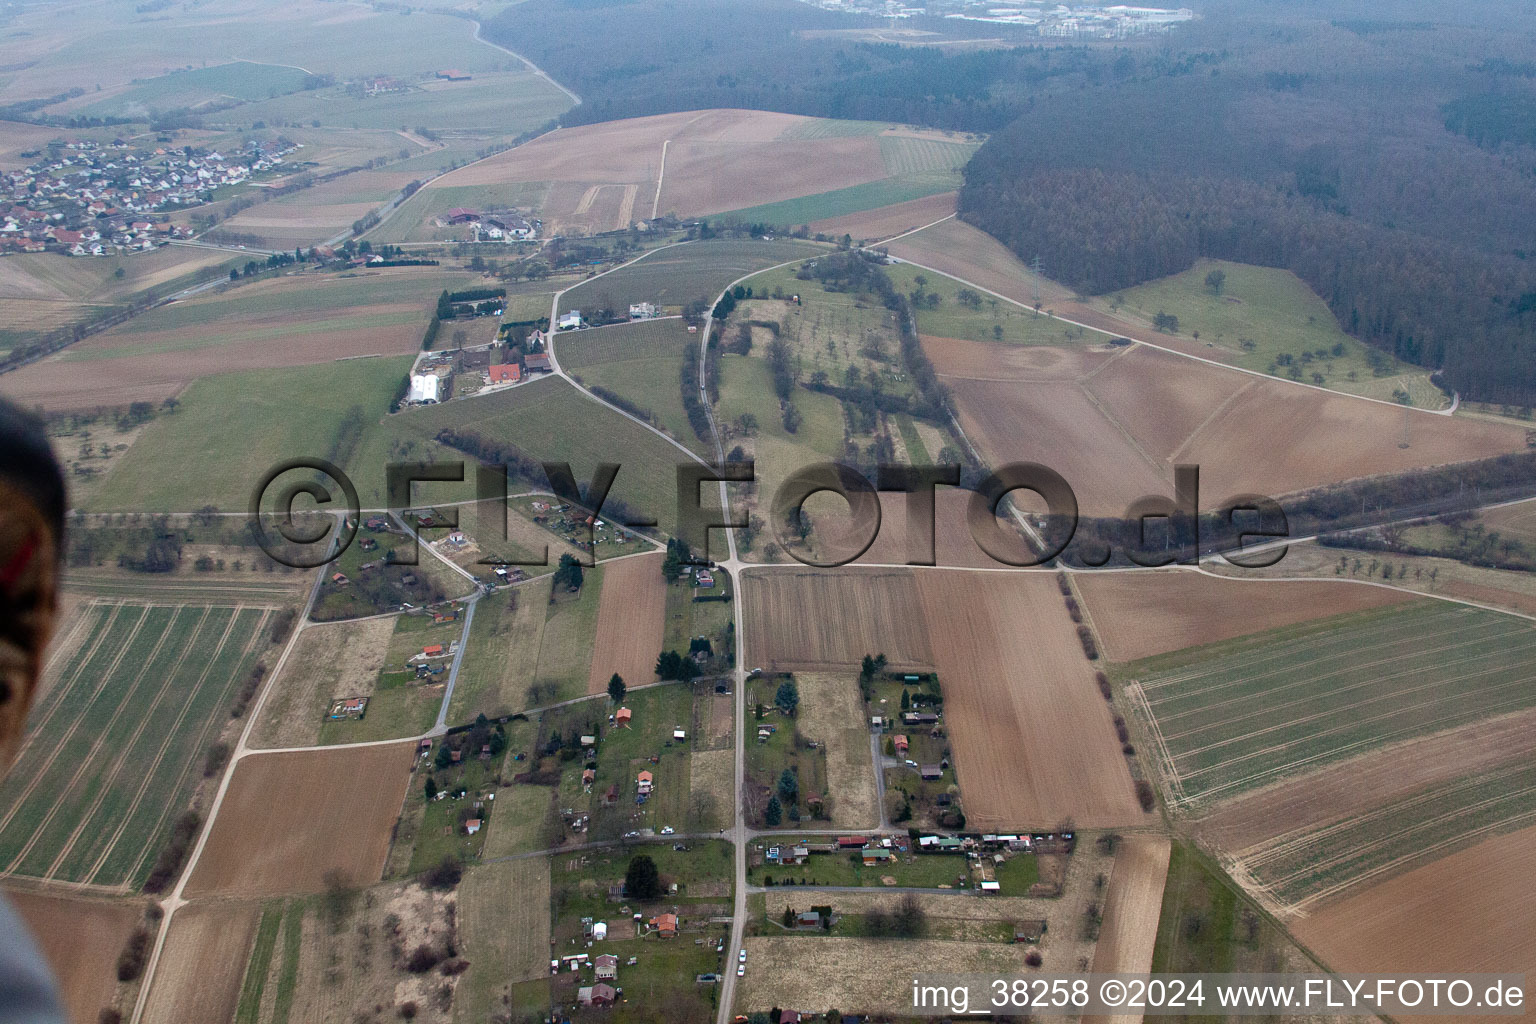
432, 377
572, 320
95, 199
494, 225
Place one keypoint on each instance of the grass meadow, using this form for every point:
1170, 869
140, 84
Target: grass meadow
641, 362
1261, 315
230, 428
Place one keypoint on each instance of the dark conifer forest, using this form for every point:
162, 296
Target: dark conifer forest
1385, 153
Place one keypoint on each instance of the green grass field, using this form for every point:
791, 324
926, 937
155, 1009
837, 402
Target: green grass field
642, 363
916, 168
565, 647
550, 420
307, 295
906, 156
504, 104
1263, 316
116, 745
231, 428
1238, 715
241, 80
502, 654
983, 318
830, 331
676, 275
842, 201
1207, 925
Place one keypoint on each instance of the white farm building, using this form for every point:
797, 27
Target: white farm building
426, 387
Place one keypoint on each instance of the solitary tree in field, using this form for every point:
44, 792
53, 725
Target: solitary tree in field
641, 879
789, 786
1216, 280
617, 689
773, 813
788, 697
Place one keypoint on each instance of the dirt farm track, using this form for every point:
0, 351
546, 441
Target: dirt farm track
288, 819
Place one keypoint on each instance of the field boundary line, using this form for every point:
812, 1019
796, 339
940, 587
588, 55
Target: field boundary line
128, 747
1174, 784
1385, 841
1298, 840
1363, 583
1216, 412
1120, 428
60, 644
1424, 852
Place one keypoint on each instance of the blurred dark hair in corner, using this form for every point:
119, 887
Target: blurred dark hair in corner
32, 504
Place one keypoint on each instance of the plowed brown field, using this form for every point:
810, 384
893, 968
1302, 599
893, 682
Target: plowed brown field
1371, 780
1117, 434
289, 819
716, 160
957, 357
1140, 614
202, 965
885, 221
81, 939
1471, 911
631, 612
1033, 740
959, 250
1059, 425
810, 619
1131, 910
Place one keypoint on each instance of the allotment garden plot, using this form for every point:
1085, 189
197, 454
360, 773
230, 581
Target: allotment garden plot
115, 746
1233, 717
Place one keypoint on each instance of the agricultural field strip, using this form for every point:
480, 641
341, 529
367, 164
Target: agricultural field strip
1334, 753
210, 728
1286, 670
1391, 814
1445, 821
131, 743
1412, 728
117, 765
61, 689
